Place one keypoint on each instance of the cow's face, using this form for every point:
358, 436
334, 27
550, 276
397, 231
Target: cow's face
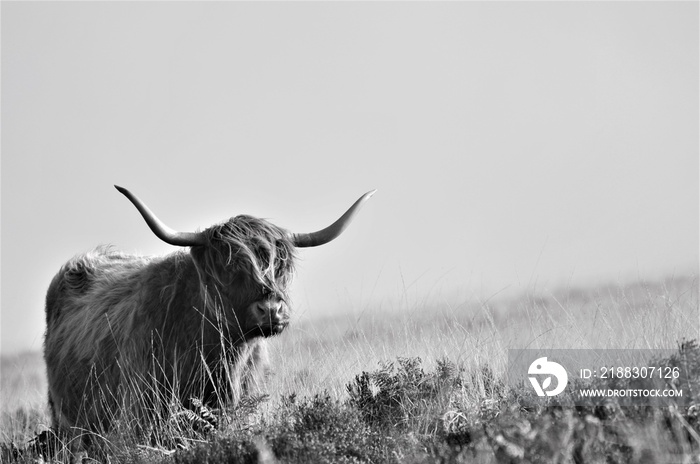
249, 262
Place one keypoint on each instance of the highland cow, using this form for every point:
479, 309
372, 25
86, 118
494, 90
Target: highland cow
132, 334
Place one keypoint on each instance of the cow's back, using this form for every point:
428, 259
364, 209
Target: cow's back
84, 273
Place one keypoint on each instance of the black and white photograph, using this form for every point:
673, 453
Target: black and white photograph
349, 232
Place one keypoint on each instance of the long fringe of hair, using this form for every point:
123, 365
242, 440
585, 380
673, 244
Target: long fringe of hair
249, 247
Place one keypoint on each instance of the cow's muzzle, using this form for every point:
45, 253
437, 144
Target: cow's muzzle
272, 316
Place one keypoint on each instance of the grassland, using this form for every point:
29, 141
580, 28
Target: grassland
423, 382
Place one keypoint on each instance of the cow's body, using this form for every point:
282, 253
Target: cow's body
130, 334
124, 329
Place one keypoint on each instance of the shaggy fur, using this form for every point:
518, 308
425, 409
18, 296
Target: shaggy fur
129, 334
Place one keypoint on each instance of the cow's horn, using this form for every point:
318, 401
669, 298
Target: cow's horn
324, 236
162, 231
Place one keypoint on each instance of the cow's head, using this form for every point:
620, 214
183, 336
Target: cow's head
246, 264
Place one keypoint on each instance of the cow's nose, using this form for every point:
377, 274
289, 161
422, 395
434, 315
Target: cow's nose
272, 309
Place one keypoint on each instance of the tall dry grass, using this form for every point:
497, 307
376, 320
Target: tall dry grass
326, 354
23, 396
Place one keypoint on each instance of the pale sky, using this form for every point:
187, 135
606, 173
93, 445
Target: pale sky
524, 146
